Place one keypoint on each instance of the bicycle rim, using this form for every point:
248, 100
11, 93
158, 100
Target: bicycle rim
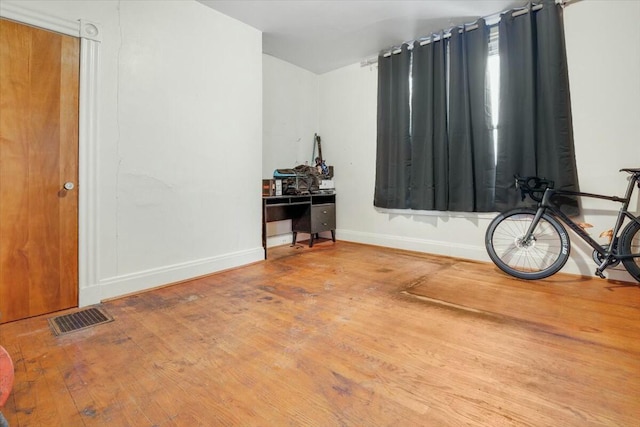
630, 244
543, 255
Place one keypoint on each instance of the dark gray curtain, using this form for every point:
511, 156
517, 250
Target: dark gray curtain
393, 156
471, 150
429, 148
535, 134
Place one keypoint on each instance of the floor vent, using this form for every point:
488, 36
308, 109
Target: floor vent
79, 320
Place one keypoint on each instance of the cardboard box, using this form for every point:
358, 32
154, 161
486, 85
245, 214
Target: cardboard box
327, 184
268, 187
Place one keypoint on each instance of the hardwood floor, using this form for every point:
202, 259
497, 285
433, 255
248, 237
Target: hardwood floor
341, 335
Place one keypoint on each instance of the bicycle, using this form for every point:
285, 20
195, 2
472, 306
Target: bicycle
532, 243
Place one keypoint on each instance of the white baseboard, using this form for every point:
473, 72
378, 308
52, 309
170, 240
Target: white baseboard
287, 239
459, 250
279, 240
579, 263
135, 282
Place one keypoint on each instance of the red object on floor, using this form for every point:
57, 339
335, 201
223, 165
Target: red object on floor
6, 376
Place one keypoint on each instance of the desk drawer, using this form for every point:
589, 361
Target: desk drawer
323, 217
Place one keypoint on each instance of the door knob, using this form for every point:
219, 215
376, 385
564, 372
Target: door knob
69, 185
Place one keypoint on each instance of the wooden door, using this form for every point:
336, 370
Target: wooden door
39, 72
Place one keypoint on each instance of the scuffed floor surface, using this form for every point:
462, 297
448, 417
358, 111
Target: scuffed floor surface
341, 335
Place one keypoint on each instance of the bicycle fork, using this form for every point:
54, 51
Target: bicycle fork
528, 236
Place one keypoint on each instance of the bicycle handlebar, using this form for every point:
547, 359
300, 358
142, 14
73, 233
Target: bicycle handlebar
532, 186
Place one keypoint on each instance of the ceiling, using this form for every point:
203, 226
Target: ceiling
323, 35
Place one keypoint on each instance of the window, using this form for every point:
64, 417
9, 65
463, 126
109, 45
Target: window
493, 77
448, 140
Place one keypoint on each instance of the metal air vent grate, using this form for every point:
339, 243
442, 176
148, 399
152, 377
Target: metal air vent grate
82, 319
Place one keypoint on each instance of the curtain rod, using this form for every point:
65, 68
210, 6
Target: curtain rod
471, 26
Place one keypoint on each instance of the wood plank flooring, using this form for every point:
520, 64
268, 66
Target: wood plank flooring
341, 335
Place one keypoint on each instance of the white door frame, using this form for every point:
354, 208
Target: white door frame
90, 35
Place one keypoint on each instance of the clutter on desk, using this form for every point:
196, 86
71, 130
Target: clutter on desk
321, 165
302, 179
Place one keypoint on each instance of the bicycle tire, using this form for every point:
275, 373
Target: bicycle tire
543, 257
629, 244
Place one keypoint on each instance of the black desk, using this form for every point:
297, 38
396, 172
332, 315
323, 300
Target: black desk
311, 213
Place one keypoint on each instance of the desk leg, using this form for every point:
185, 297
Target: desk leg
264, 229
295, 236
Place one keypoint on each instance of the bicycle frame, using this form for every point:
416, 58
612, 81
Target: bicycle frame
607, 253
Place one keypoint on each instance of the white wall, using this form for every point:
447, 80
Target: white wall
179, 153
604, 65
603, 51
290, 120
290, 115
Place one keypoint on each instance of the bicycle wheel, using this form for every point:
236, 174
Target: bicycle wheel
539, 257
630, 244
